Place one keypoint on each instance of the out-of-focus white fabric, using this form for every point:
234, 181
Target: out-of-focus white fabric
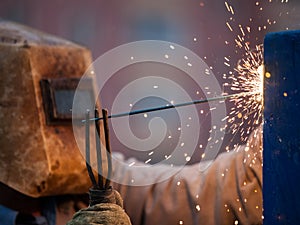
227, 192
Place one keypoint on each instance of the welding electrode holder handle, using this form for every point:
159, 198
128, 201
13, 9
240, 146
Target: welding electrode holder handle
101, 192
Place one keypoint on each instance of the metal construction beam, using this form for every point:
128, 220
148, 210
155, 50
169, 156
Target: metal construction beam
281, 155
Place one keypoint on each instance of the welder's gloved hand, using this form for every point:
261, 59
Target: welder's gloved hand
104, 214
107, 213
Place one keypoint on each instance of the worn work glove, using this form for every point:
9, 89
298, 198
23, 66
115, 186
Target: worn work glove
109, 212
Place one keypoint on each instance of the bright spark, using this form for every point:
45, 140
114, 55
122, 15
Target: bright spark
248, 78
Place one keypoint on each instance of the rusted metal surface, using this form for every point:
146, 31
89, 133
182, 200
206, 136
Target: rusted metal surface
37, 159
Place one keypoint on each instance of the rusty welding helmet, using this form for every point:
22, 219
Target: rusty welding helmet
38, 77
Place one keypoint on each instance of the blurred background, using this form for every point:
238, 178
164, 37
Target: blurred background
199, 25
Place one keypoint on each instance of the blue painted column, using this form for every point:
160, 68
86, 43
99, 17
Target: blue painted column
281, 141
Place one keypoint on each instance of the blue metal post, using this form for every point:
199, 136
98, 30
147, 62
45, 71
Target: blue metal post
281, 141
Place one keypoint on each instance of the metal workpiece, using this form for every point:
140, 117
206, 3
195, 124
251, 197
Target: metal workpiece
281, 135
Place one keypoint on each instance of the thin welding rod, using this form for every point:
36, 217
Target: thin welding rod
159, 108
98, 151
107, 144
87, 148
